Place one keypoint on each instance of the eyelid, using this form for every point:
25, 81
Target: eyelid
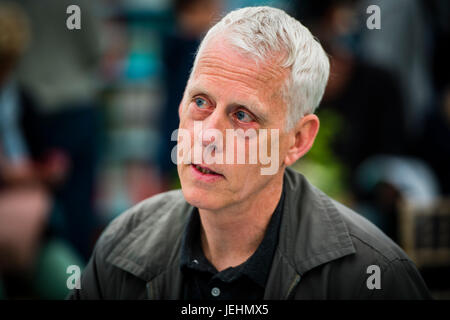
248, 112
200, 96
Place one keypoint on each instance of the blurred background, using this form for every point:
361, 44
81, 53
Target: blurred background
86, 117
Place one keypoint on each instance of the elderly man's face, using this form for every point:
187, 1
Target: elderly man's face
228, 90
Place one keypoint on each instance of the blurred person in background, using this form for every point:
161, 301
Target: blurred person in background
32, 261
192, 19
363, 105
433, 144
403, 45
24, 202
58, 71
364, 97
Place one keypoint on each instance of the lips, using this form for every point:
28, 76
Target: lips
205, 170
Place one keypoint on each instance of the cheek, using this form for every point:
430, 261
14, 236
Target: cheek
183, 120
187, 125
184, 112
284, 148
235, 151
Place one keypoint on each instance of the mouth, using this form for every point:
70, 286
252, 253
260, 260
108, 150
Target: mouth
205, 170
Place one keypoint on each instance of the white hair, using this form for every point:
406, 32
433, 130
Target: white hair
264, 31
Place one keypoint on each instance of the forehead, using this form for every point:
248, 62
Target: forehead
237, 74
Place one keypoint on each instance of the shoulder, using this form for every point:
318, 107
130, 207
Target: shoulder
149, 209
365, 236
334, 220
152, 214
369, 238
134, 248
371, 251
378, 257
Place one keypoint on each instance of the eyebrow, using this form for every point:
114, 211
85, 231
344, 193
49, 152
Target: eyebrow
252, 107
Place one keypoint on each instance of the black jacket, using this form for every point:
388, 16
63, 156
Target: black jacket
324, 251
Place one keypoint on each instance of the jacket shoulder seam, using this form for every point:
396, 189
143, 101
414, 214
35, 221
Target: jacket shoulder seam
378, 251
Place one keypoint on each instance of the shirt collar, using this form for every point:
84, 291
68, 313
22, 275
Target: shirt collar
257, 267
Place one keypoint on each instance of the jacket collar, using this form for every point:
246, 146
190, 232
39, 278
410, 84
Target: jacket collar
312, 233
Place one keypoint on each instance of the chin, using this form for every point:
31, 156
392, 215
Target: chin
201, 198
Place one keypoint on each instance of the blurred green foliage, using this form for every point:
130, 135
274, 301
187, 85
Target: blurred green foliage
321, 165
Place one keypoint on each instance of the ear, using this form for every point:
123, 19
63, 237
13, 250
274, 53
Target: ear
303, 138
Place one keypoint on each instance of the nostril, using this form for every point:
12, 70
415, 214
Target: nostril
207, 136
208, 142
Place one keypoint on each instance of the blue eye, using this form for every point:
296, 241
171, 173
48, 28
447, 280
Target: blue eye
243, 116
201, 103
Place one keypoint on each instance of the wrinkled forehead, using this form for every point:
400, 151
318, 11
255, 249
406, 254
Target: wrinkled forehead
218, 57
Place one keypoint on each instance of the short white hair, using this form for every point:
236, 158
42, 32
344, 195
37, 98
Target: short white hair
264, 31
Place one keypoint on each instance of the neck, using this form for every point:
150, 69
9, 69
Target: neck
231, 236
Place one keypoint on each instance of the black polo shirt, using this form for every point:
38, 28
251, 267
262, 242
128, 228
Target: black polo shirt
244, 282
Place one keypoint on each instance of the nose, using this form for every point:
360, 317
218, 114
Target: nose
211, 126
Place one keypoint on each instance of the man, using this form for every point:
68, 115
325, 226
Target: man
239, 230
